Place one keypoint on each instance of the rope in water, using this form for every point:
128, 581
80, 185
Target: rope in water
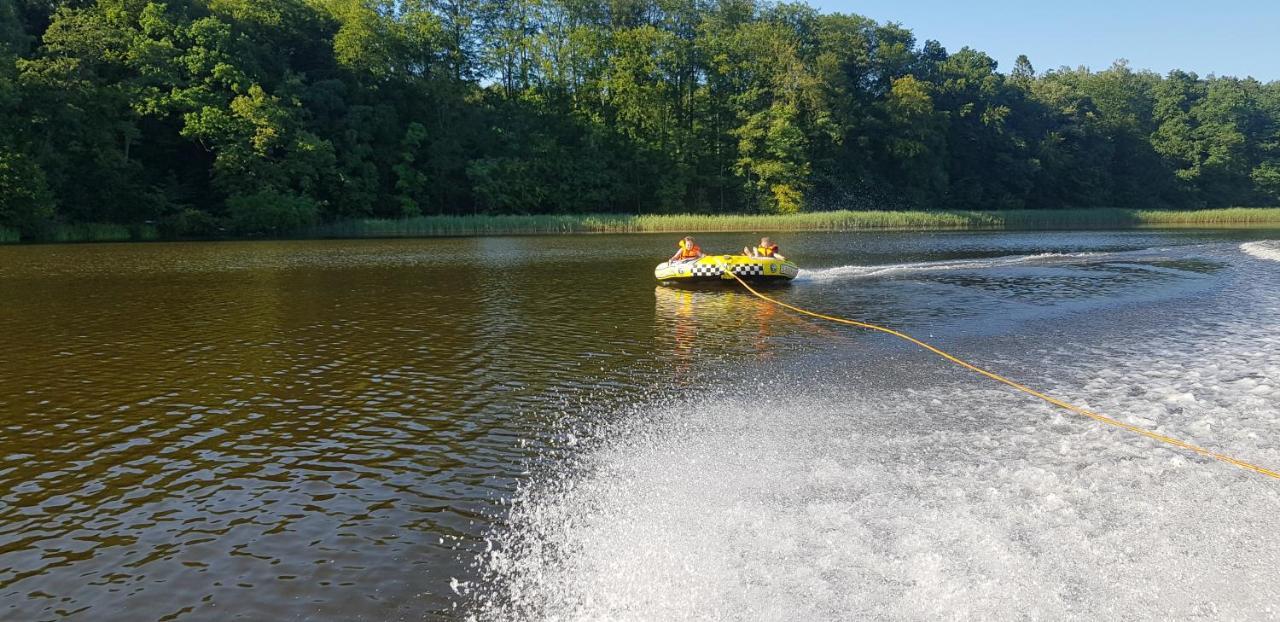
1029, 391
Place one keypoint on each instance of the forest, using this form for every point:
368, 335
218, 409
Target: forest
256, 117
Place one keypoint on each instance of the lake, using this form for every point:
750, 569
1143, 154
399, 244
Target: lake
530, 427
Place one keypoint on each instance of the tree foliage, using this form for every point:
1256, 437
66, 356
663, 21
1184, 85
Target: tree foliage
258, 116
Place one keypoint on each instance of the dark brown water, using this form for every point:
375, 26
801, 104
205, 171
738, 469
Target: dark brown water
327, 430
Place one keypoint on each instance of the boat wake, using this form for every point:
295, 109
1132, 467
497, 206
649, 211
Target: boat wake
862, 272
851, 499
1265, 249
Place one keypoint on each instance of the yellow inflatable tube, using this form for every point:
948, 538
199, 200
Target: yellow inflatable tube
712, 268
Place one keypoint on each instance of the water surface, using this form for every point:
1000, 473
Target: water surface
351, 430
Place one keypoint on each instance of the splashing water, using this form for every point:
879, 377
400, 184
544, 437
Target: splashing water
856, 272
1265, 249
838, 497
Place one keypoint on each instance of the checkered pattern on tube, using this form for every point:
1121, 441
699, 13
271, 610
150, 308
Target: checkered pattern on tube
716, 270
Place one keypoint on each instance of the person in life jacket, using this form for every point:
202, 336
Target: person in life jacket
688, 251
766, 249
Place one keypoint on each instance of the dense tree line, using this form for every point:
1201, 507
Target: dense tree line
261, 115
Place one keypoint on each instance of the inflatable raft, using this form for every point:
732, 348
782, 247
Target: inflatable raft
716, 268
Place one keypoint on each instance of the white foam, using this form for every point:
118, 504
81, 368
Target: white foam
857, 272
1265, 249
959, 500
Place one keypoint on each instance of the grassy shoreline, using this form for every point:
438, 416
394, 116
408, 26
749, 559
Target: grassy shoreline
85, 232
943, 220
1010, 220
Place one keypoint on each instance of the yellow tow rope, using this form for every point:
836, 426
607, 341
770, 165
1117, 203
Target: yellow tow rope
1025, 389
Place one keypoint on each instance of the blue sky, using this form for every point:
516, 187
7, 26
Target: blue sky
1227, 37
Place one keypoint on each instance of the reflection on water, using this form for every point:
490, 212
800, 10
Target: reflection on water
674, 309
707, 322
327, 430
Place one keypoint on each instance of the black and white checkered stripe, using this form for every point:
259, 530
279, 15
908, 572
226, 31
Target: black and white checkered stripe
717, 270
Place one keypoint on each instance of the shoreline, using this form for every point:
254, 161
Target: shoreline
837, 221
844, 220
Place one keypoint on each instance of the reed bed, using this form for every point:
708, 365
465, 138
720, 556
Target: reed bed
1213, 217
89, 232
452, 226
1100, 218
100, 232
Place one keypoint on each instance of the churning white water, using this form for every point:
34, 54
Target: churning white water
1264, 249
855, 271
839, 496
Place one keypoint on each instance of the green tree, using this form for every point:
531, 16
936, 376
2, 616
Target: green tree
914, 143
260, 115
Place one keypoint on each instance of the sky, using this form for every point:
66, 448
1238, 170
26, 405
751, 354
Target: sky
1226, 37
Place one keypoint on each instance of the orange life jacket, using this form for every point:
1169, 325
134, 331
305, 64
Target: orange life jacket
689, 252
767, 251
